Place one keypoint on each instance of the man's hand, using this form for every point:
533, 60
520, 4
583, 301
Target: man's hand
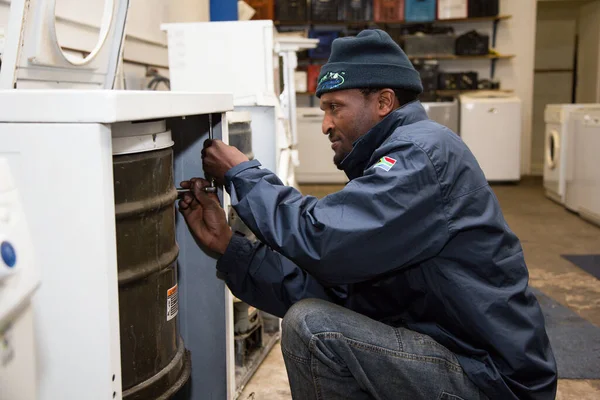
218, 158
204, 216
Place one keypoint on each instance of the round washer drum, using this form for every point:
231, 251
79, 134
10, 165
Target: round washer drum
154, 362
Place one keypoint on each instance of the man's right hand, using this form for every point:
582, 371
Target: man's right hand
205, 216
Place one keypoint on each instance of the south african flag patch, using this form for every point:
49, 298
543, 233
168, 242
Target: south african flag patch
385, 163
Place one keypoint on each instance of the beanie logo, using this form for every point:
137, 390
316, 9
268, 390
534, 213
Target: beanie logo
331, 80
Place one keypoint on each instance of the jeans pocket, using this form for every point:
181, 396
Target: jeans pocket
448, 396
320, 350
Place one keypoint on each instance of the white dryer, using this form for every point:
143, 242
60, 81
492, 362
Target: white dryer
490, 124
582, 193
556, 147
444, 113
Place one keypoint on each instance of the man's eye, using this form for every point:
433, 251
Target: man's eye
333, 107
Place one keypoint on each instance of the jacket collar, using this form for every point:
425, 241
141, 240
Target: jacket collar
355, 163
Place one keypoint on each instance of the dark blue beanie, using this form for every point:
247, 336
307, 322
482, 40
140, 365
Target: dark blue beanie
369, 60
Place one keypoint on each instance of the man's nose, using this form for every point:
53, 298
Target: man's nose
327, 125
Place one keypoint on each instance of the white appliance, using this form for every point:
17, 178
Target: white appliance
490, 124
314, 150
19, 280
246, 63
58, 131
583, 170
444, 113
556, 148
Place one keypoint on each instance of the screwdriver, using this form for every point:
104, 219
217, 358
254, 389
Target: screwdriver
209, 189
212, 188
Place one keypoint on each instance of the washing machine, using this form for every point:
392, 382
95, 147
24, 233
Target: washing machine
444, 113
123, 309
556, 150
582, 193
490, 125
19, 280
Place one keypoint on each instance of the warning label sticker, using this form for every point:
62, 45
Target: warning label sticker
172, 303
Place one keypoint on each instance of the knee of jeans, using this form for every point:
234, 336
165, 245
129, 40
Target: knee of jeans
300, 319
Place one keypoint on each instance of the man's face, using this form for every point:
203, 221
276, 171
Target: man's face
348, 115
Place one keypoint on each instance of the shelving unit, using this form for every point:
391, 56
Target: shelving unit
455, 57
394, 23
492, 57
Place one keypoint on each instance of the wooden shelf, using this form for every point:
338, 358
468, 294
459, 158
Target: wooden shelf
364, 23
452, 21
337, 23
455, 57
456, 92
432, 57
443, 92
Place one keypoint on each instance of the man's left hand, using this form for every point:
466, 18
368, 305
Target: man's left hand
218, 158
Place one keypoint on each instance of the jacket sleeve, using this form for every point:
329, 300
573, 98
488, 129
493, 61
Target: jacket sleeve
267, 280
379, 223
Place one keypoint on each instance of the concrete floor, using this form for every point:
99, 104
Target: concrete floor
546, 231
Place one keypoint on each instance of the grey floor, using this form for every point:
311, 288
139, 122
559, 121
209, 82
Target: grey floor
546, 231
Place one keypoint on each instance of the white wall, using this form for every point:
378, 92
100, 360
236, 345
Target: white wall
517, 36
554, 62
588, 65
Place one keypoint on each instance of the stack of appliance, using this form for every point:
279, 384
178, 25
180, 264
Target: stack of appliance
490, 125
121, 310
582, 177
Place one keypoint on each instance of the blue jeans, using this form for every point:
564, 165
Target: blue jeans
331, 352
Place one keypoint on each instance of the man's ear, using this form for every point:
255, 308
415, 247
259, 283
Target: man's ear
386, 102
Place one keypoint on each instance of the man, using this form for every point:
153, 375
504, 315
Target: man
407, 283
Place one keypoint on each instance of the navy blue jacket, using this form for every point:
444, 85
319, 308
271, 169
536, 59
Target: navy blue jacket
421, 244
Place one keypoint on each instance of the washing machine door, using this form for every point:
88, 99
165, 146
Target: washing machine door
33, 57
552, 149
552, 158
